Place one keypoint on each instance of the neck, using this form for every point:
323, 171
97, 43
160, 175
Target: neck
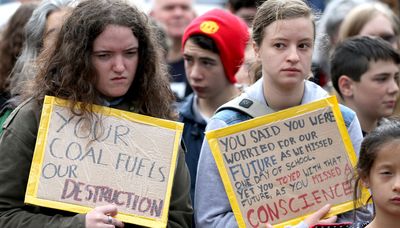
368, 123
282, 98
175, 52
209, 105
384, 220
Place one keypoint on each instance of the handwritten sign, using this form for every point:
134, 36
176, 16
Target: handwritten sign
281, 167
122, 158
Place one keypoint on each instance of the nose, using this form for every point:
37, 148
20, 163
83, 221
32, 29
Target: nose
195, 72
293, 55
118, 64
178, 11
396, 184
394, 86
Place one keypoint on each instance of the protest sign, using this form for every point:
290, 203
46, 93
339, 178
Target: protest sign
284, 166
121, 157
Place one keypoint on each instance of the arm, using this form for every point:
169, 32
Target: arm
16, 145
180, 208
212, 207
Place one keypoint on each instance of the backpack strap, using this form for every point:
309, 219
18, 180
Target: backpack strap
247, 105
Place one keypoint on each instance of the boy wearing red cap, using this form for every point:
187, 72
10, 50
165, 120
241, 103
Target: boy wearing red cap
213, 49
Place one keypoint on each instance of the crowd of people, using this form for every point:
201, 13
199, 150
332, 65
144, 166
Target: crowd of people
174, 64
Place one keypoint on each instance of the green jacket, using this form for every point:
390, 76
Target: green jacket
17, 144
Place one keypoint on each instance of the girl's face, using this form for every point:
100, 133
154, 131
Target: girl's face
286, 51
380, 26
384, 180
115, 58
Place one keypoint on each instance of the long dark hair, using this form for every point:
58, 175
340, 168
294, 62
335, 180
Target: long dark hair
68, 73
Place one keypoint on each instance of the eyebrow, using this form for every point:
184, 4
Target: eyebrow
386, 74
200, 58
286, 39
106, 50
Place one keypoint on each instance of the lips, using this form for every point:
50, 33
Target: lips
390, 104
395, 200
291, 69
198, 89
118, 78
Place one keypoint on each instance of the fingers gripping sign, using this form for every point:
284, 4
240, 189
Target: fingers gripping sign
103, 216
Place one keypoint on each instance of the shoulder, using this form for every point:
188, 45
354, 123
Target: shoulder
185, 107
231, 116
27, 112
348, 114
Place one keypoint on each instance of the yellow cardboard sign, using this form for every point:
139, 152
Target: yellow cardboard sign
123, 158
281, 167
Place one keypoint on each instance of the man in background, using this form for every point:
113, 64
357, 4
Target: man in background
174, 16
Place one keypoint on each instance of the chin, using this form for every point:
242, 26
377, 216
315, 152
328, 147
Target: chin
292, 83
115, 95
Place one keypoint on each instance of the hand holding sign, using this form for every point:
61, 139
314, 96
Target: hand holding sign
103, 215
315, 218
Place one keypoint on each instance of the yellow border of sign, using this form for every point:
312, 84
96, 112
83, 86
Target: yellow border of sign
33, 181
212, 138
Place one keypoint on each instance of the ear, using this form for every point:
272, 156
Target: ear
346, 85
256, 49
365, 181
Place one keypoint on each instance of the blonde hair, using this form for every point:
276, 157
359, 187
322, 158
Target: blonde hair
354, 22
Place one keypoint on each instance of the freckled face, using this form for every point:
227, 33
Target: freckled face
115, 58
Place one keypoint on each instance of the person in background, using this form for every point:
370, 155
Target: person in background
175, 16
326, 38
245, 76
105, 54
373, 19
11, 42
283, 34
211, 62
369, 83
245, 9
40, 32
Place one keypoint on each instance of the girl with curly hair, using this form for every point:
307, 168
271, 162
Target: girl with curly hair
105, 54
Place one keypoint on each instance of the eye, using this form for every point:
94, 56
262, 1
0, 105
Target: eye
131, 53
396, 79
391, 38
381, 79
385, 173
187, 59
103, 56
279, 45
207, 63
305, 45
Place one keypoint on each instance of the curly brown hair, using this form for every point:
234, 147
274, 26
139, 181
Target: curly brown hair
68, 72
12, 40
